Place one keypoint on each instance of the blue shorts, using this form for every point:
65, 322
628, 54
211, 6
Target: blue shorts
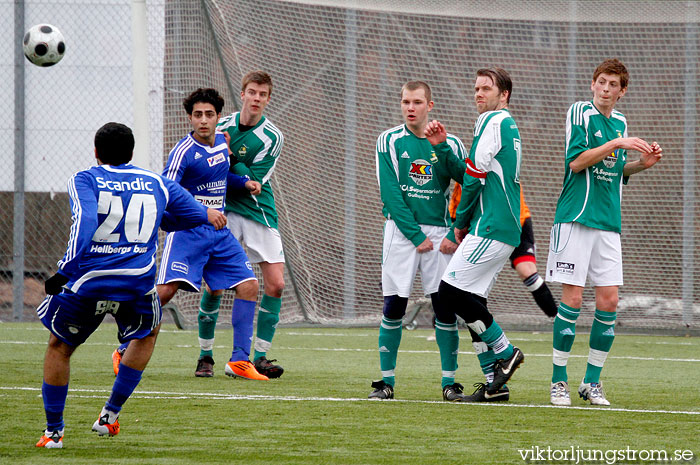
73, 318
203, 252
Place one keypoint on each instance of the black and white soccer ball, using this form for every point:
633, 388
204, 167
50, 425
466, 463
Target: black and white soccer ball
44, 45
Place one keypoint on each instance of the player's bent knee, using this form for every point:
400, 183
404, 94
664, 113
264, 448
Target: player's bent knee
167, 291
247, 290
394, 307
274, 287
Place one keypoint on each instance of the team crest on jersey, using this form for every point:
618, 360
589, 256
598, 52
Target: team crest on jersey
242, 151
610, 160
421, 172
216, 159
433, 157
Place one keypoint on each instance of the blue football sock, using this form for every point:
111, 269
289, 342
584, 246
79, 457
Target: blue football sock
242, 317
127, 380
54, 404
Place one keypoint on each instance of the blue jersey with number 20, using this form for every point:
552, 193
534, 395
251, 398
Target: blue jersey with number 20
116, 212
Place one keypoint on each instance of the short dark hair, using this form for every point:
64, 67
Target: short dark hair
415, 85
613, 66
259, 77
204, 96
500, 78
114, 143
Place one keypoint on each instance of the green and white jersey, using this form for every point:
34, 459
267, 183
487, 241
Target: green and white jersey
254, 153
592, 196
413, 184
490, 202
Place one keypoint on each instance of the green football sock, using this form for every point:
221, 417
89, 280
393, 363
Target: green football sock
496, 340
268, 317
447, 338
487, 357
389, 340
563, 334
208, 314
602, 337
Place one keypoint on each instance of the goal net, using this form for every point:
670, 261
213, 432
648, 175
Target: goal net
338, 67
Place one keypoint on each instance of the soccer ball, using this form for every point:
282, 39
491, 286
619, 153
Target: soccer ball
44, 45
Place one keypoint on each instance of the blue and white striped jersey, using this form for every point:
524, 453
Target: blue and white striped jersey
116, 212
203, 170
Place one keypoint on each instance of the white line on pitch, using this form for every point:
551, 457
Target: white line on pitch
218, 396
341, 349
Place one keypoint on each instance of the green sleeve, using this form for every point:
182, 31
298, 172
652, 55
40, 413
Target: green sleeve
576, 142
453, 162
471, 188
394, 204
451, 235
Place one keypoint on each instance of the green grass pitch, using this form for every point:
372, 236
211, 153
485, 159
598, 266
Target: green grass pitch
317, 412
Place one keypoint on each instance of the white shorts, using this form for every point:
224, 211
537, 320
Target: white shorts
577, 251
263, 244
476, 264
401, 260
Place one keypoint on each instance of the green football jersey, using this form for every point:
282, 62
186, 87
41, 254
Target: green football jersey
490, 203
413, 184
592, 196
254, 153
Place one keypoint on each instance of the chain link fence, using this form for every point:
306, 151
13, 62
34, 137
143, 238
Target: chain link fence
337, 68
57, 111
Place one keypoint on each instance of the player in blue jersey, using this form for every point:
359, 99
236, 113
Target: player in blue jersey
199, 162
109, 267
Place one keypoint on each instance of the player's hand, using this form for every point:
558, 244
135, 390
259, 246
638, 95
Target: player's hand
634, 143
254, 187
448, 247
55, 283
460, 234
425, 246
216, 218
435, 132
227, 136
650, 159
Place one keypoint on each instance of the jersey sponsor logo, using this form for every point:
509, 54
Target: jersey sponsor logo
421, 172
249, 266
211, 202
178, 266
598, 133
117, 250
137, 184
565, 268
216, 159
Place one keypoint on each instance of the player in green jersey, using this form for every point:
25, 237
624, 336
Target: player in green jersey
488, 230
585, 239
255, 145
413, 187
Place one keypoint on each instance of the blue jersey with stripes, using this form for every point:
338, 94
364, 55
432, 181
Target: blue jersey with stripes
203, 170
116, 212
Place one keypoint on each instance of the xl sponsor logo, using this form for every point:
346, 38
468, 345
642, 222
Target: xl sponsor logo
421, 172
